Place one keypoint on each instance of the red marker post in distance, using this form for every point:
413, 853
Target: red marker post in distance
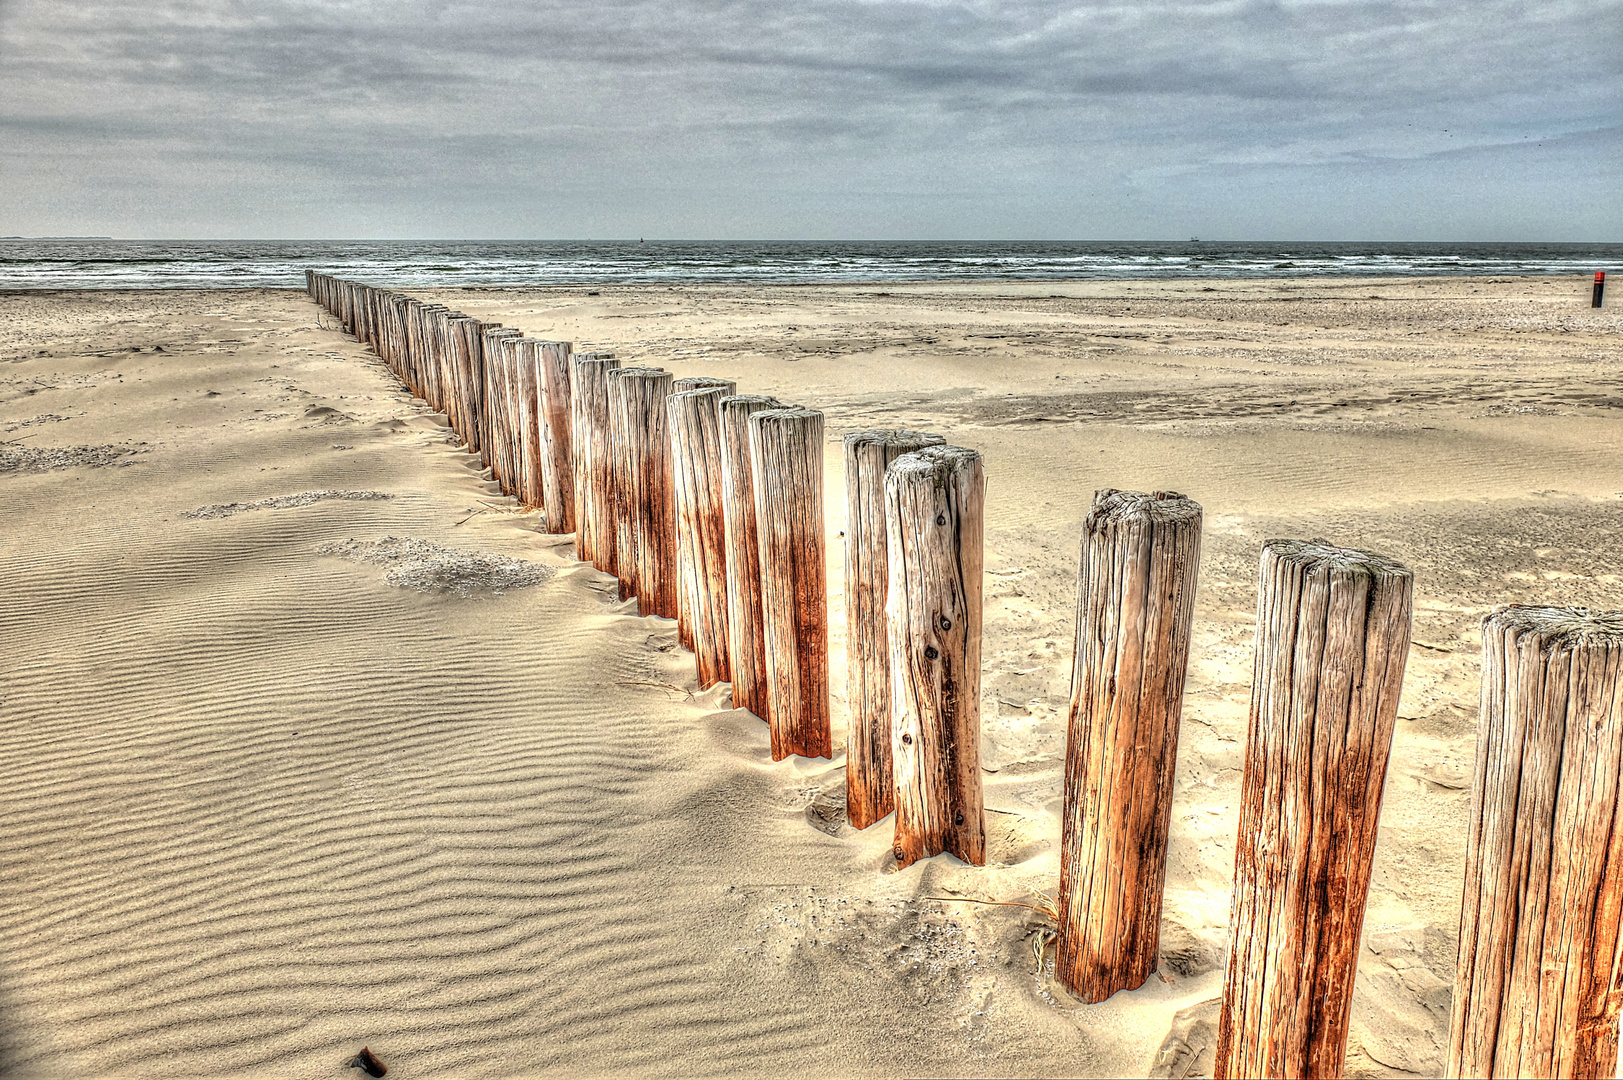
1600, 288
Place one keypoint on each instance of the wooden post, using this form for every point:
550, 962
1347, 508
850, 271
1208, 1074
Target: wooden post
786, 460
468, 341
746, 645
1332, 641
687, 581
594, 459
1134, 615
646, 541
527, 421
508, 447
934, 521
512, 416
695, 418
557, 442
490, 335
1599, 292
1537, 988
870, 781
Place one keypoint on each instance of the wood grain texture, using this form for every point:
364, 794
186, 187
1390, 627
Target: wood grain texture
687, 582
527, 418
1332, 641
870, 780
1134, 618
695, 421
935, 502
501, 344
555, 415
644, 508
468, 343
786, 461
1539, 982
491, 338
594, 459
746, 645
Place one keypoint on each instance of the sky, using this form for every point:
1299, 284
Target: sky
1462, 120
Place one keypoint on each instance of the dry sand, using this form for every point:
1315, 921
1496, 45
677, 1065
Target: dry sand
308, 741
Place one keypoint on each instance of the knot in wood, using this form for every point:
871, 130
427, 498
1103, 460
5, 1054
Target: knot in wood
931, 652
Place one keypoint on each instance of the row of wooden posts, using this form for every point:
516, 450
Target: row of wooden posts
707, 505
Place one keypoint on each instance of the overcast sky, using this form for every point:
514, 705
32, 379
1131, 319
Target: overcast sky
1289, 120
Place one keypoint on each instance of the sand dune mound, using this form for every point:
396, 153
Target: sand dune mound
283, 502
428, 567
46, 458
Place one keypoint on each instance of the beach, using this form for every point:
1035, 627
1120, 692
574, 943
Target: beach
312, 740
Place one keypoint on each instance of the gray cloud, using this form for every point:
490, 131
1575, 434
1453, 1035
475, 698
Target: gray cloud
811, 118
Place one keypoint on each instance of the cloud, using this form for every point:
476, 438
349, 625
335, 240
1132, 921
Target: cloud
771, 117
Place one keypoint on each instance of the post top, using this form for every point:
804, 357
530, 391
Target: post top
933, 459
1111, 506
788, 412
893, 437
1319, 553
687, 393
1570, 627
592, 357
701, 382
638, 373
752, 399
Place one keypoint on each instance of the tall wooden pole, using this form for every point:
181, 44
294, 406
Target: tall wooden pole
870, 780
527, 421
469, 345
935, 522
786, 457
746, 644
1539, 981
1134, 617
555, 413
594, 459
701, 524
1332, 641
687, 564
493, 416
646, 543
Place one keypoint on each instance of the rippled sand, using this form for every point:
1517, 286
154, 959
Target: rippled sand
331, 770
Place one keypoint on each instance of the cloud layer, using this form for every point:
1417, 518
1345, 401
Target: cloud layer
1325, 119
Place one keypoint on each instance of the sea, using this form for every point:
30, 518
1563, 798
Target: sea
94, 263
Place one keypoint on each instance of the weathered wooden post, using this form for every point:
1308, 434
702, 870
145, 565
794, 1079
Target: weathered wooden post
594, 458
509, 445
870, 780
557, 442
695, 418
1332, 641
935, 528
687, 583
490, 336
746, 645
646, 541
525, 366
513, 365
1134, 617
468, 342
786, 461
1537, 988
